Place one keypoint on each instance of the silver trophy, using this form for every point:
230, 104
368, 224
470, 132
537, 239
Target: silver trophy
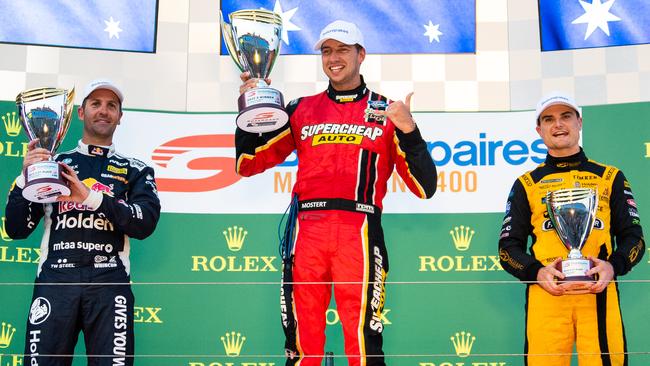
573, 214
45, 114
253, 39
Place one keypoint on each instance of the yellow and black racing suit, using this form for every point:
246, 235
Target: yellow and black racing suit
592, 321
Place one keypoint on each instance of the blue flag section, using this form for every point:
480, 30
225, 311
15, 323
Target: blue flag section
570, 24
121, 25
388, 26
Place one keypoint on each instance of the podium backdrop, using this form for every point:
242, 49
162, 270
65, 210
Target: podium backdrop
207, 281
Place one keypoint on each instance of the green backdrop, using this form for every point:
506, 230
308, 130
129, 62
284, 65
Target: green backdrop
435, 290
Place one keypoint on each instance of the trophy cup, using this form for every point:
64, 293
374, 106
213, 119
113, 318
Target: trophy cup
573, 214
45, 114
253, 41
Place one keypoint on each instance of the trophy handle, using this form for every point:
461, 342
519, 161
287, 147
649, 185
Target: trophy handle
227, 35
67, 118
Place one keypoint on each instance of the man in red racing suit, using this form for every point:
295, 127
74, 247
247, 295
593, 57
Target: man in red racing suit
348, 141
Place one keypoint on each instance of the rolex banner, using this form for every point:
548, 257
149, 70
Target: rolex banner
207, 281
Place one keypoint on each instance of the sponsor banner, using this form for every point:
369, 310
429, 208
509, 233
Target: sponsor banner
478, 155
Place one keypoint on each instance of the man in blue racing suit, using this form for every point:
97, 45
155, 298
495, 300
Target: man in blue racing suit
82, 281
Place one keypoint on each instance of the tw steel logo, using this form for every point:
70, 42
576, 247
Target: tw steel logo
193, 165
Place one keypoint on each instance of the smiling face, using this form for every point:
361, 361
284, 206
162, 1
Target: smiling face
100, 113
559, 127
342, 63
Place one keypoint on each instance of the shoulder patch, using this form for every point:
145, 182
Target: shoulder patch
527, 180
610, 173
135, 163
291, 107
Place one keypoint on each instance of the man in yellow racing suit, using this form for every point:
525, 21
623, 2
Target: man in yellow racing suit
554, 319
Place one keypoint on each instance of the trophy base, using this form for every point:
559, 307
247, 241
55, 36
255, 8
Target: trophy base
576, 286
261, 110
576, 281
43, 182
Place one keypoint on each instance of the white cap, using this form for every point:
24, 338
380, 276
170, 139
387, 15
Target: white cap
342, 31
103, 84
555, 98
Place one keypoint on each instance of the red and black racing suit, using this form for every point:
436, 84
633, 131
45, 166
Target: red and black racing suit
592, 321
85, 245
346, 154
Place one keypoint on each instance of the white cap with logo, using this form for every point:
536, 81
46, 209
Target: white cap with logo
555, 98
342, 31
103, 84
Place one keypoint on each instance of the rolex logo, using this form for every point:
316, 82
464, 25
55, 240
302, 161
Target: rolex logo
462, 237
6, 334
235, 236
232, 343
12, 124
3, 232
463, 343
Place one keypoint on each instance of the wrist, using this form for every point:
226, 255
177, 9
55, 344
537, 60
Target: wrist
93, 200
409, 127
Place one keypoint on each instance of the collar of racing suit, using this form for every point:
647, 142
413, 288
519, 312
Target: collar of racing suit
347, 96
567, 162
95, 150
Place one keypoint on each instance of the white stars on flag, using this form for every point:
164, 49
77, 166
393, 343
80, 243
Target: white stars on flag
596, 15
432, 32
113, 28
287, 25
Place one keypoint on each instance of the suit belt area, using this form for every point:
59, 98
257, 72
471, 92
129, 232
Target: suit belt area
338, 204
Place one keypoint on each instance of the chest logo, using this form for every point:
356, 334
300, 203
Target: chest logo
116, 170
340, 133
374, 106
98, 186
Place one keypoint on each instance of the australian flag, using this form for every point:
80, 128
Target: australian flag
570, 24
388, 26
124, 25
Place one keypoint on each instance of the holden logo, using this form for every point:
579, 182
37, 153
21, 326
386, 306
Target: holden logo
39, 311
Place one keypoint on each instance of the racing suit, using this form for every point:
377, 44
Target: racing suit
592, 321
84, 245
346, 155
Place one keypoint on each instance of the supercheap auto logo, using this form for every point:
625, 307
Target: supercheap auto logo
194, 163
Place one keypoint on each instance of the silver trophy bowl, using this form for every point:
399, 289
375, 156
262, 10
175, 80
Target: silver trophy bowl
253, 39
573, 214
45, 114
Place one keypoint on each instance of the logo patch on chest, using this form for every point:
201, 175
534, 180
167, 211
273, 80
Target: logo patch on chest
340, 133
